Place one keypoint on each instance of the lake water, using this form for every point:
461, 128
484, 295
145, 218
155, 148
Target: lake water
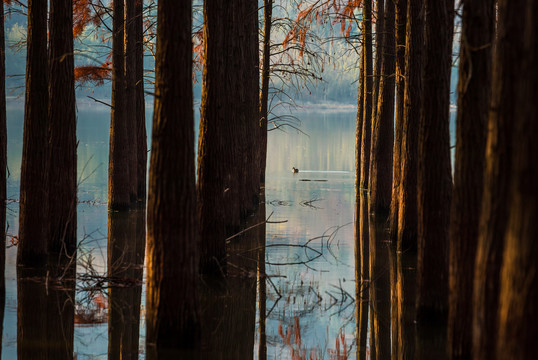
300, 300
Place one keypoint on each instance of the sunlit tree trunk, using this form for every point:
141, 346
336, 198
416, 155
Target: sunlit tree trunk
130, 33
400, 22
119, 190
141, 141
379, 20
434, 174
473, 104
518, 301
172, 308
383, 129
63, 137
264, 93
3, 159
33, 214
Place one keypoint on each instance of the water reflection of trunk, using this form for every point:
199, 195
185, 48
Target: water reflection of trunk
2, 306
262, 280
126, 244
45, 317
379, 290
405, 293
361, 277
229, 304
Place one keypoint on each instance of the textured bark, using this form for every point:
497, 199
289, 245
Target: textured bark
63, 137
3, 161
434, 174
379, 19
141, 137
473, 104
401, 24
518, 301
264, 92
118, 158
494, 215
383, 129
228, 175
33, 214
131, 124
407, 203
172, 310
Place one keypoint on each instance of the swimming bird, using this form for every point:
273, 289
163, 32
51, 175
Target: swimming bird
294, 170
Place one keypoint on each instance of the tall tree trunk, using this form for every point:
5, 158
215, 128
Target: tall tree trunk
434, 174
118, 159
473, 104
518, 301
172, 310
379, 17
63, 136
141, 137
264, 93
383, 130
407, 203
401, 22
131, 124
494, 214
3, 158
33, 215
228, 175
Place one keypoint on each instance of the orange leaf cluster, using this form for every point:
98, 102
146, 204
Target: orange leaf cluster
83, 15
94, 74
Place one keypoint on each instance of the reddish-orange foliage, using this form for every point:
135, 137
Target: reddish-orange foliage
84, 13
94, 74
198, 52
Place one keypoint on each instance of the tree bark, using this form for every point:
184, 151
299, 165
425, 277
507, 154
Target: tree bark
518, 300
131, 124
63, 136
383, 130
119, 190
172, 308
379, 16
3, 159
401, 24
141, 137
434, 174
264, 93
473, 103
33, 214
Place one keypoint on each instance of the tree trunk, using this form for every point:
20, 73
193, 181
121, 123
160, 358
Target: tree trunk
172, 310
131, 124
434, 174
63, 136
518, 301
407, 203
383, 130
118, 158
228, 175
33, 214
3, 158
400, 22
379, 17
473, 104
141, 137
264, 93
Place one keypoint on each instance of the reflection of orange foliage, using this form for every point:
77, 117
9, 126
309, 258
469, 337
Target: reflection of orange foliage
92, 313
94, 74
298, 352
340, 348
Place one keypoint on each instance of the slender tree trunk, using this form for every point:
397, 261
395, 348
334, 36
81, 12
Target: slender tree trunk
361, 288
407, 204
3, 159
401, 22
264, 93
131, 124
141, 141
379, 17
434, 174
518, 301
63, 137
118, 159
33, 215
172, 310
498, 171
473, 104
383, 130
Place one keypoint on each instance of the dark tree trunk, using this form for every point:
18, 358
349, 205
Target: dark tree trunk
131, 123
434, 174
141, 137
172, 310
228, 175
3, 159
262, 280
494, 215
264, 93
63, 136
118, 158
379, 17
33, 215
407, 203
361, 288
394, 325
383, 130
473, 104
406, 289
518, 301
400, 22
